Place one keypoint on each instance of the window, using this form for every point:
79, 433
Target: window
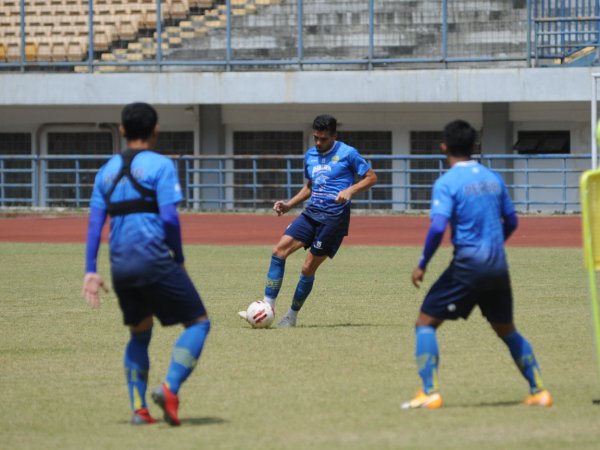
261, 181
542, 142
70, 181
16, 176
423, 173
174, 144
373, 143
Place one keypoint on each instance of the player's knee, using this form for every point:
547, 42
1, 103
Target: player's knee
308, 270
282, 251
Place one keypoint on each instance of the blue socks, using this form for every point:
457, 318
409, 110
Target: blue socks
427, 355
303, 288
137, 364
185, 354
274, 277
522, 353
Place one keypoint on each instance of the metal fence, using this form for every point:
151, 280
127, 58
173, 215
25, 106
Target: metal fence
564, 28
548, 183
112, 36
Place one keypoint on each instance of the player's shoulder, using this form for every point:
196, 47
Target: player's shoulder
344, 148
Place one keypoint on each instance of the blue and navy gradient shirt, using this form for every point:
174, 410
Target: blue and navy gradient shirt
138, 252
331, 173
474, 199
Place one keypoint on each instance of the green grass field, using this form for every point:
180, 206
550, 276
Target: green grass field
334, 382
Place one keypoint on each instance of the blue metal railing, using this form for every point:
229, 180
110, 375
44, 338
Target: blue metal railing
537, 182
553, 29
563, 28
439, 51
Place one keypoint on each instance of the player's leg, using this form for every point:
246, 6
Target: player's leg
326, 241
524, 357
448, 299
176, 300
284, 248
303, 288
137, 366
138, 317
497, 306
427, 357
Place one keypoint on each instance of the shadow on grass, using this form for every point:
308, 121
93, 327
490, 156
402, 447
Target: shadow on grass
484, 404
193, 421
197, 421
343, 325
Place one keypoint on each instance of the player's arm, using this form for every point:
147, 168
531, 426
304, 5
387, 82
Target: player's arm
369, 179
170, 218
92, 282
281, 206
432, 242
509, 224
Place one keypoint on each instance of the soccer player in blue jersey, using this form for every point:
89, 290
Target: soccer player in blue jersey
475, 201
139, 190
330, 168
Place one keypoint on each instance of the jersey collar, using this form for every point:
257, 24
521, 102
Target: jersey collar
471, 162
333, 147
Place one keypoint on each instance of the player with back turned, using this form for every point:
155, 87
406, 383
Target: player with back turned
139, 190
475, 202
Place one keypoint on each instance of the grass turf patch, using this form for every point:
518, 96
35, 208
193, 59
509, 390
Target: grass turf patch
335, 381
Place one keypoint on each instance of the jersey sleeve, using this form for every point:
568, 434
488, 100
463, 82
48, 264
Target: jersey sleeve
358, 163
441, 200
97, 199
168, 189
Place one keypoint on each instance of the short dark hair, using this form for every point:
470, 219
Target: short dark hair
325, 122
460, 138
138, 120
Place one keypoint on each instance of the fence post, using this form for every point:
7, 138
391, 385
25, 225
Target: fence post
300, 43
77, 181
228, 45
371, 32
2, 182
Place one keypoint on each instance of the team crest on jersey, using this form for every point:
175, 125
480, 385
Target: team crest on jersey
321, 180
335, 159
321, 168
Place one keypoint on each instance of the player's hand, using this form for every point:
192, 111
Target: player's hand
343, 196
92, 283
281, 207
417, 277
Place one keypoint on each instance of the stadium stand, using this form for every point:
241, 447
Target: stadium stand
125, 30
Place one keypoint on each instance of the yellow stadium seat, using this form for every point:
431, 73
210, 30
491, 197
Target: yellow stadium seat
58, 51
2, 53
44, 51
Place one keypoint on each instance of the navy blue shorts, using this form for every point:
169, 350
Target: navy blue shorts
450, 297
323, 239
173, 299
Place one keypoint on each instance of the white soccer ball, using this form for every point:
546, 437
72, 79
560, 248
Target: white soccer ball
260, 314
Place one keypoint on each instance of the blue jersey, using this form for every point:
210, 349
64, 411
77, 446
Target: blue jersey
474, 199
139, 254
331, 173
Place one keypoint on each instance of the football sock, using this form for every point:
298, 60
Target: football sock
274, 279
185, 354
427, 356
522, 353
303, 288
292, 314
137, 364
